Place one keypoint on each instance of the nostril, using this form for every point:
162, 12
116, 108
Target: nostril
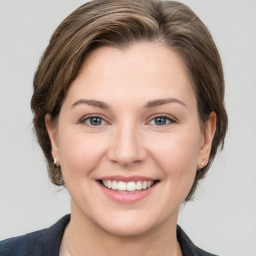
126, 163
126, 149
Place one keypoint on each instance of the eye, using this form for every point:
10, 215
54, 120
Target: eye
93, 121
161, 120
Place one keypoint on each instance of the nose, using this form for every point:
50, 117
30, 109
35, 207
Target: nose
127, 146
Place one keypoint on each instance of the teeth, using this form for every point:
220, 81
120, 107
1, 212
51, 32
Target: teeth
121, 186
139, 185
127, 186
144, 184
109, 184
114, 184
150, 183
131, 186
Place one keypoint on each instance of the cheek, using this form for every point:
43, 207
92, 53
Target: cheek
178, 161
177, 154
79, 154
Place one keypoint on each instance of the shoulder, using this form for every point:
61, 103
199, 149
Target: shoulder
42, 242
187, 246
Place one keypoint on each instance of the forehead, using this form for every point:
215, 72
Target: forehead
139, 72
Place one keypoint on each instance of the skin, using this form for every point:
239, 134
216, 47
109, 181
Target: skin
129, 141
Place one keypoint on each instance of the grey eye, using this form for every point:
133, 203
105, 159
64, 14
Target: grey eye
94, 121
160, 120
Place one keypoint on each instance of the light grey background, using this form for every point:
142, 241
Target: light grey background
222, 219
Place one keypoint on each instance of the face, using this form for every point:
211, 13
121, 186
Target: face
128, 138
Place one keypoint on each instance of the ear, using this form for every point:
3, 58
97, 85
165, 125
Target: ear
206, 143
51, 126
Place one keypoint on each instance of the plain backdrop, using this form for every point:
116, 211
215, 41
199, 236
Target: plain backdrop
222, 219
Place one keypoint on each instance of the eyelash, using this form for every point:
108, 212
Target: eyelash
167, 117
90, 117
154, 117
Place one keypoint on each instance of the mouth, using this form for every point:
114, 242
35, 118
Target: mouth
128, 187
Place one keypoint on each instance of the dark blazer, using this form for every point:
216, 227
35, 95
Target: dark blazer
46, 242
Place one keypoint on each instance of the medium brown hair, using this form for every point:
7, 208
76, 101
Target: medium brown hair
121, 23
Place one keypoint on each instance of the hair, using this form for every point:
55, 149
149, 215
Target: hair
121, 23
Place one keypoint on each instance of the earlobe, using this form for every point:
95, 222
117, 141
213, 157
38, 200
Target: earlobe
205, 150
51, 127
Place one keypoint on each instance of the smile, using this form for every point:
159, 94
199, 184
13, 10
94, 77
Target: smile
127, 190
131, 186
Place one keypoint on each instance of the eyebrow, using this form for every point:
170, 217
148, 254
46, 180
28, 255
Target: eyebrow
95, 103
150, 104
159, 102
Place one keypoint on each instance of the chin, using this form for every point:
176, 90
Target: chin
130, 224
127, 230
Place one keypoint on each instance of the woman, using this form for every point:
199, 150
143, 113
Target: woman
129, 110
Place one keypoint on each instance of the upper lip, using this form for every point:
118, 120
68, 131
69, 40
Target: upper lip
126, 178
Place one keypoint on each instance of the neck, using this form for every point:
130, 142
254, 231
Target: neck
83, 237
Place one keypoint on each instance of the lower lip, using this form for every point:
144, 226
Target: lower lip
127, 197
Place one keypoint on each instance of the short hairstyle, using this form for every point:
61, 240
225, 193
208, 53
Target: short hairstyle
121, 23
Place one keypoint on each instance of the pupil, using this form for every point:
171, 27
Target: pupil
95, 121
160, 120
